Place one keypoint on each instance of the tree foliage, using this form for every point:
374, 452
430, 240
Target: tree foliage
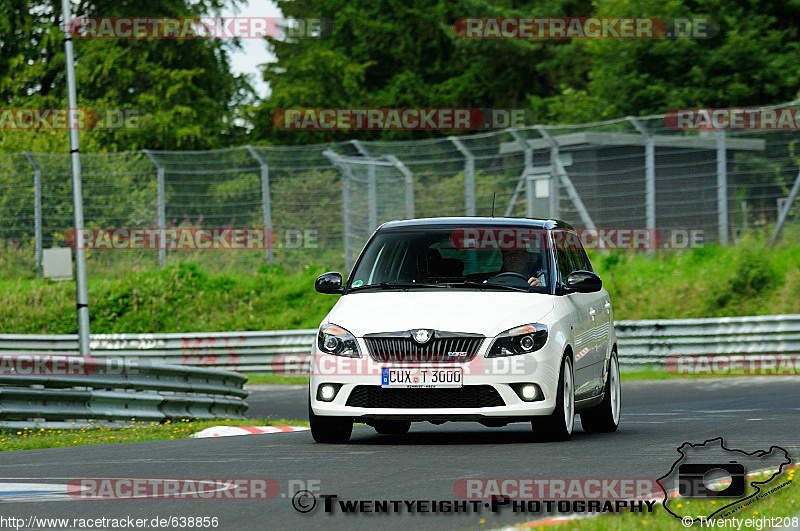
183, 90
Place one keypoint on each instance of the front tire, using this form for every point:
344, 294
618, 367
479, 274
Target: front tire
604, 418
329, 430
558, 426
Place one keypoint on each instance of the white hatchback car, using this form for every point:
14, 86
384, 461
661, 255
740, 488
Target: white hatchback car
494, 320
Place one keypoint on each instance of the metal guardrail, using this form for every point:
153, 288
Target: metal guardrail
641, 343
652, 342
38, 389
238, 351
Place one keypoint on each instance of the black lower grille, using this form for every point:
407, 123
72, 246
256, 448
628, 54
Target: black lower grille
470, 396
459, 349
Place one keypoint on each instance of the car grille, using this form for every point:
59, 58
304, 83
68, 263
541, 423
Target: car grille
437, 349
469, 396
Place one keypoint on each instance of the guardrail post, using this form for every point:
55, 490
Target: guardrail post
722, 188
409, 177
344, 168
372, 187
561, 172
469, 175
162, 252
785, 211
37, 211
649, 175
266, 201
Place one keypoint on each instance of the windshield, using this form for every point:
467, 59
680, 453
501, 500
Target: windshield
428, 258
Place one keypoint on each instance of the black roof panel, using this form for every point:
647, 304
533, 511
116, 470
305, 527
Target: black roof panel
473, 222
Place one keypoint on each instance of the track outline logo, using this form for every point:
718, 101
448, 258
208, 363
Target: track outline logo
755, 484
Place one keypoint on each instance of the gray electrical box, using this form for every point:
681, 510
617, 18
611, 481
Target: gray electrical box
57, 263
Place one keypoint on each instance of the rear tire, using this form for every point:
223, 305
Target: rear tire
391, 427
604, 417
330, 430
558, 426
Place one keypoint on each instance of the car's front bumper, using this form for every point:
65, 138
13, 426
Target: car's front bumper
540, 368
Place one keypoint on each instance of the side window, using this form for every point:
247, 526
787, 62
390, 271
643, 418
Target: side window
565, 265
583, 258
571, 256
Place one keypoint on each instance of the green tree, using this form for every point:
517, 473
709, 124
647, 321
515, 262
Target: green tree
405, 53
184, 90
754, 60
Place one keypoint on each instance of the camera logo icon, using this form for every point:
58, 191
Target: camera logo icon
698, 480
734, 478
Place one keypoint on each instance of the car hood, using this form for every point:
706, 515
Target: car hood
482, 312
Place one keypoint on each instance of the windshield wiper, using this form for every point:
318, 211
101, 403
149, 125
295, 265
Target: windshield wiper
403, 285
399, 285
482, 285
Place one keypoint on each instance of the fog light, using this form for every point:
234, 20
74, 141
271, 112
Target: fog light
327, 392
528, 392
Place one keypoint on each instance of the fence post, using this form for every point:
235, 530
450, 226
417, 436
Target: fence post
559, 169
266, 201
402, 168
469, 175
162, 252
649, 176
785, 211
344, 168
37, 212
722, 188
526, 171
372, 186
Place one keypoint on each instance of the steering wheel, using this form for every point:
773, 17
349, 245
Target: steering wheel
509, 278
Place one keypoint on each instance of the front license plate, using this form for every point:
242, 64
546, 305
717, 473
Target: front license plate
428, 378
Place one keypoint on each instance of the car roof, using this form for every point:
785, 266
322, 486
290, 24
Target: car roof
466, 221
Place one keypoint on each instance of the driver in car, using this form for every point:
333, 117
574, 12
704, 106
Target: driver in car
519, 261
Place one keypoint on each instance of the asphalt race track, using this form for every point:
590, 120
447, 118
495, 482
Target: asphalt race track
657, 417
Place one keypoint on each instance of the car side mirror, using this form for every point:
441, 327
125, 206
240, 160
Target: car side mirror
583, 282
330, 283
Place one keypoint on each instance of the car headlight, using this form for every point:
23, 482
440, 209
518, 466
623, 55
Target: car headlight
336, 340
519, 340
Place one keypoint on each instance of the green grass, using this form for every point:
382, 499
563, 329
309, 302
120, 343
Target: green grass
660, 374
276, 379
782, 503
710, 281
35, 439
180, 298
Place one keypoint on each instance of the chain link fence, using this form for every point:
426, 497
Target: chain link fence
323, 201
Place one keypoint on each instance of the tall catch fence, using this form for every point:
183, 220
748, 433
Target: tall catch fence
323, 201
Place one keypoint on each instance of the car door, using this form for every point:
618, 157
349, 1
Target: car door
600, 316
578, 305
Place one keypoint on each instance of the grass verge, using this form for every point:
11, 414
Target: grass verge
35, 439
710, 281
655, 374
782, 503
276, 379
